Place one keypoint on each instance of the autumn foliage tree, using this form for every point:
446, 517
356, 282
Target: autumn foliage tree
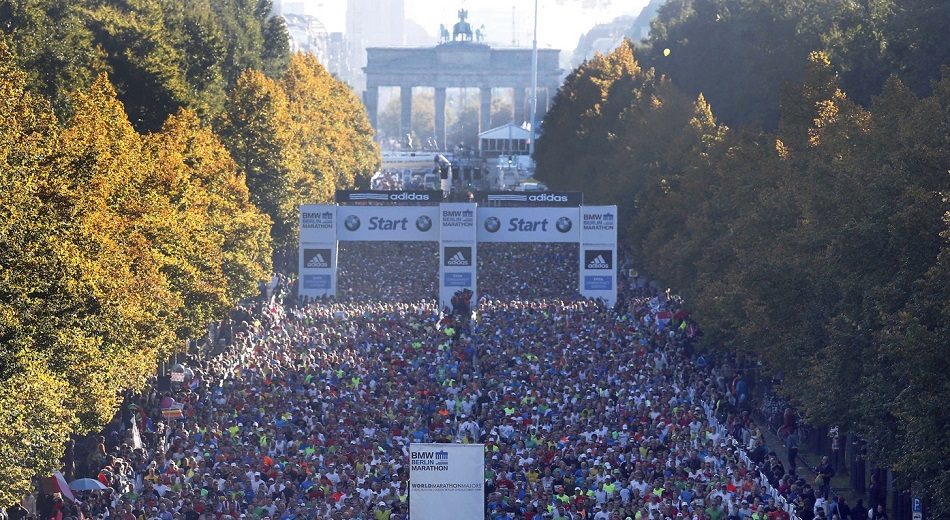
297, 140
332, 130
113, 248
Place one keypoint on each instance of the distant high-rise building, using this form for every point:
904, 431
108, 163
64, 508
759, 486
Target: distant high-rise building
372, 23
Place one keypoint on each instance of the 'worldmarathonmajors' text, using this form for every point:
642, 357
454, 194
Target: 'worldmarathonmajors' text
446, 486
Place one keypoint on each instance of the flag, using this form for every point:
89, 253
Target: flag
142, 416
172, 413
194, 382
136, 436
59, 481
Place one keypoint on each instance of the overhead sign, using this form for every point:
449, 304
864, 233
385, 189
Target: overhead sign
385, 196
447, 477
458, 227
378, 223
528, 225
529, 198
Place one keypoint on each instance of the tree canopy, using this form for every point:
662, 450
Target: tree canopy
137, 205
161, 55
820, 247
739, 53
297, 139
113, 247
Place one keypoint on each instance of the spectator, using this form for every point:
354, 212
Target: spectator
824, 472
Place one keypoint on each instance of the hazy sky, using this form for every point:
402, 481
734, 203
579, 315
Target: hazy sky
560, 22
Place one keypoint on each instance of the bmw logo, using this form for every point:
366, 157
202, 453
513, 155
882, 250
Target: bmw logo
564, 224
423, 223
351, 223
492, 224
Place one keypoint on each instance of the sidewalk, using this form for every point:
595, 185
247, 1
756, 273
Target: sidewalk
808, 460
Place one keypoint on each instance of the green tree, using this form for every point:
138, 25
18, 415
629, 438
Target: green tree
143, 63
913, 41
464, 129
423, 118
254, 40
195, 31
728, 50
258, 131
54, 46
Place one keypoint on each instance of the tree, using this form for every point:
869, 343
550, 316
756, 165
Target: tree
258, 131
913, 42
332, 131
423, 118
254, 39
194, 29
54, 46
727, 50
584, 117
143, 63
192, 166
161, 55
34, 418
464, 128
617, 133
113, 248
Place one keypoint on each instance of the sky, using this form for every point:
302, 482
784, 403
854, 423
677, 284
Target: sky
507, 22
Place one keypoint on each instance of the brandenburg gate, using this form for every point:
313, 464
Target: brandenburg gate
459, 62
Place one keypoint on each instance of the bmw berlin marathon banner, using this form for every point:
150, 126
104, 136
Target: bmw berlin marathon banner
447, 481
317, 255
457, 262
598, 252
398, 223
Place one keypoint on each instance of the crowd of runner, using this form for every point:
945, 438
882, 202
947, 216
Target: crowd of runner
308, 411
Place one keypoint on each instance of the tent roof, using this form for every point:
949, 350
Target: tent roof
509, 131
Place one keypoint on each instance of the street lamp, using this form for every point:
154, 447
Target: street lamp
534, 80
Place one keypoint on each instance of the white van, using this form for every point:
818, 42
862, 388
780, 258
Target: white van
532, 186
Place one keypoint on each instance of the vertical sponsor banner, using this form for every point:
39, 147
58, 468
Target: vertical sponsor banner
457, 251
528, 225
447, 478
317, 255
598, 257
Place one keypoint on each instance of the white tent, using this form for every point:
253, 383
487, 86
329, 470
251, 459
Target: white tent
508, 139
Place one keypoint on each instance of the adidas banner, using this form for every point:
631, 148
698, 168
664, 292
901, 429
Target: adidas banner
457, 250
598, 258
447, 477
377, 196
398, 223
457, 257
529, 198
318, 258
528, 225
317, 255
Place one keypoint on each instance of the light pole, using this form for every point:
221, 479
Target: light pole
534, 80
